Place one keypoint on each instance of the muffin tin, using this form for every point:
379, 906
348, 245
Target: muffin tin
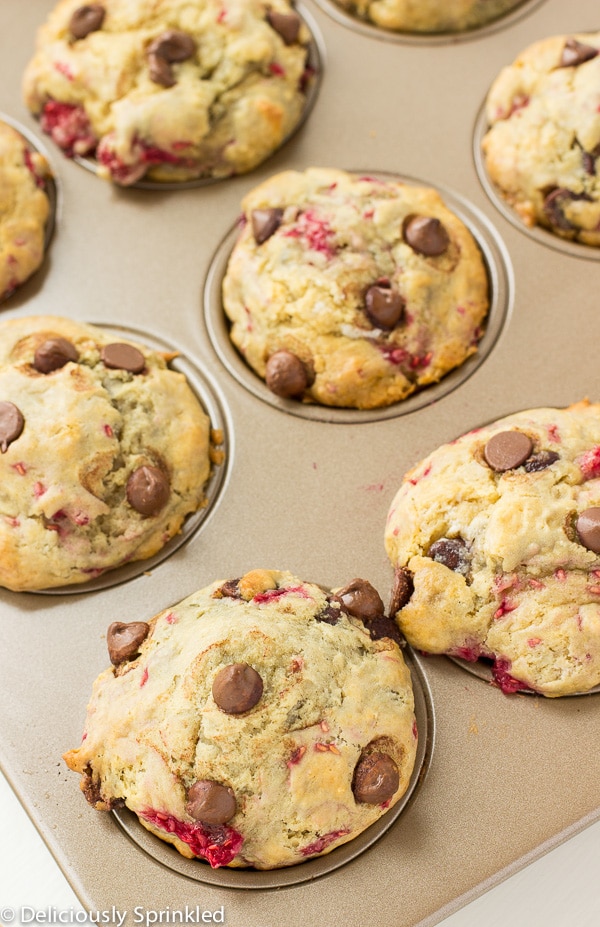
509, 776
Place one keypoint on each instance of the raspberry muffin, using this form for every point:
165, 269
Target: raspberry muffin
24, 209
429, 15
261, 722
543, 143
495, 539
173, 90
104, 450
352, 291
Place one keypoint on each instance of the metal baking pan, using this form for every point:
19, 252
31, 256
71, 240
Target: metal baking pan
510, 776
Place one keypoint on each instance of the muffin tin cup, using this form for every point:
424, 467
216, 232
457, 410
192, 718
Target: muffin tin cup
51, 189
315, 62
501, 292
209, 397
537, 233
301, 495
482, 670
373, 31
311, 869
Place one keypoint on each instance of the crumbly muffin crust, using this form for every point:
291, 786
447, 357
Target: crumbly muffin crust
543, 143
104, 451
373, 287
256, 723
171, 90
494, 542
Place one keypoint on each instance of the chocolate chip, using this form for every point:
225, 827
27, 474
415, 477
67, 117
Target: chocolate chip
507, 450
361, 600
376, 778
265, 222
122, 356
86, 19
384, 306
452, 553
554, 204
286, 375
402, 589
53, 354
210, 802
11, 424
148, 490
381, 627
425, 235
329, 615
124, 640
166, 49
540, 461
230, 589
588, 162
237, 688
575, 53
588, 529
286, 24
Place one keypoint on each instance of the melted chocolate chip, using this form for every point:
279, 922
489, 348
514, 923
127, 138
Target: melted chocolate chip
452, 553
361, 600
287, 25
124, 640
588, 529
166, 49
402, 589
376, 778
575, 53
237, 688
230, 589
11, 424
381, 627
425, 235
122, 356
329, 615
553, 207
210, 802
540, 461
384, 306
286, 375
264, 223
86, 19
507, 450
53, 354
148, 490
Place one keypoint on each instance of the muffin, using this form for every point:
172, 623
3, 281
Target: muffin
261, 722
352, 291
104, 450
543, 142
171, 91
495, 540
429, 15
24, 209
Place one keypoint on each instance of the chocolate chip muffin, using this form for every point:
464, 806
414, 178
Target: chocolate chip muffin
261, 722
171, 91
543, 143
104, 450
495, 539
352, 291
429, 15
24, 209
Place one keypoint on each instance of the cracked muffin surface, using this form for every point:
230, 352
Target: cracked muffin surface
24, 209
352, 291
171, 90
103, 452
542, 146
495, 540
259, 722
